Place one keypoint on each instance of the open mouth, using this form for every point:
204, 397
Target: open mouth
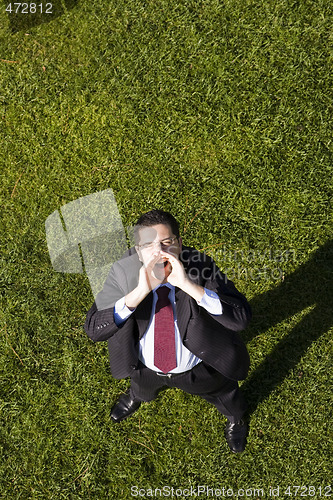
162, 269
162, 264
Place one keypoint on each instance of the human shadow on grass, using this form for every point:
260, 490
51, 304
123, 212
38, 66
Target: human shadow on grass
310, 286
27, 15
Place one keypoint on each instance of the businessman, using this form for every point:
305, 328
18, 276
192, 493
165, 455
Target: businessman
171, 320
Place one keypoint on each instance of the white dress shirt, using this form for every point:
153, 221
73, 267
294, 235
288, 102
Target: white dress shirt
186, 360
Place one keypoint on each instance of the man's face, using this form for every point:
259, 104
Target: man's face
156, 238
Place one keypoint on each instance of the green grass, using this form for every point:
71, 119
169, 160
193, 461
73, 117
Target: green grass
219, 112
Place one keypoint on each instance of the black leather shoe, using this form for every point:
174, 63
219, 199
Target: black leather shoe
235, 435
124, 407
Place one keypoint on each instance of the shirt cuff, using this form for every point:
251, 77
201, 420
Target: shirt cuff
211, 302
121, 311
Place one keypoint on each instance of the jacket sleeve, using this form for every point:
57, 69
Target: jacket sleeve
236, 311
214, 338
100, 324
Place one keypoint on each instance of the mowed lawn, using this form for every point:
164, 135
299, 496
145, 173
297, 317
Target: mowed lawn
219, 112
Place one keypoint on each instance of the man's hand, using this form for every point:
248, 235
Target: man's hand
148, 279
162, 267
147, 282
179, 278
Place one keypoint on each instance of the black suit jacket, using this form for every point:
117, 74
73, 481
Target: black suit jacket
212, 338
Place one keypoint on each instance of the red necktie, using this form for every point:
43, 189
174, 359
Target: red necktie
164, 333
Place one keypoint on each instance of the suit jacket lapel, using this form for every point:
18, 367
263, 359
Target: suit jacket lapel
143, 313
183, 309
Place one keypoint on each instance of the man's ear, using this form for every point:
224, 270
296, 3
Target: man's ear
180, 241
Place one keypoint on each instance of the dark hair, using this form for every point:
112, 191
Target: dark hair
154, 217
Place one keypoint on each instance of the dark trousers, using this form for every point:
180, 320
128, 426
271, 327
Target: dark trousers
202, 380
